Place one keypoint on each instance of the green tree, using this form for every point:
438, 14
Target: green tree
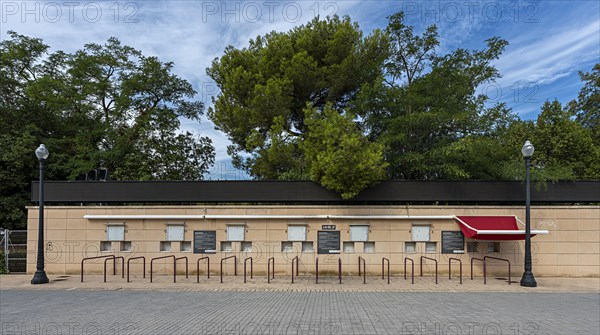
426, 107
564, 144
338, 154
266, 86
587, 105
104, 103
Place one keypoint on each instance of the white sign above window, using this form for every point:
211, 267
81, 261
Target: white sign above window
420, 233
175, 232
296, 233
235, 233
115, 233
359, 233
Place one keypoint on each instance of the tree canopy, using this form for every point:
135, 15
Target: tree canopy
320, 102
103, 105
294, 103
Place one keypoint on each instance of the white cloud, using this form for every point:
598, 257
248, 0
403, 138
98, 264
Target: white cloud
550, 58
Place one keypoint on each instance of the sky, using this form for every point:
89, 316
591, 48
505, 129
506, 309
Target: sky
549, 41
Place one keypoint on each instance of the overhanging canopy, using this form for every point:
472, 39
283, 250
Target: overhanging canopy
493, 228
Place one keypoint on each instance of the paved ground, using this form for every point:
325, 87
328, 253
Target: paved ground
66, 306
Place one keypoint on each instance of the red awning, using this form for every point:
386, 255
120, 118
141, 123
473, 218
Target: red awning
493, 228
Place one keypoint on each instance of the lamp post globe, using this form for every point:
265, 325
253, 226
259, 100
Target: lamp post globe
527, 280
40, 275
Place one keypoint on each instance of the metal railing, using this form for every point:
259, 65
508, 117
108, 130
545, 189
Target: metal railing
317, 270
114, 259
245, 261
484, 274
186, 264
144, 264
269, 269
340, 268
383, 260
450, 267
364, 272
413, 268
436, 266
234, 265
198, 268
295, 260
14, 245
500, 259
98, 257
163, 257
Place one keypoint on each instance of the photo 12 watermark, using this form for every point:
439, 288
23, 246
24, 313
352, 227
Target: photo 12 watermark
471, 11
69, 12
469, 328
265, 11
69, 328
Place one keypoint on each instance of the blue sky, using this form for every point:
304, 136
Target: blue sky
549, 41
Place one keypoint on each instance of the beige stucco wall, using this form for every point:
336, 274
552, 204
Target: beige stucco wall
572, 248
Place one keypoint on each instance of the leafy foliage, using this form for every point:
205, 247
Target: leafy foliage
266, 86
392, 101
338, 154
104, 104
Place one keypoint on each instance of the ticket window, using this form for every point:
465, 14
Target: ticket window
114, 233
296, 233
308, 247
359, 233
369, 247
175, 232
421, 233
236, 233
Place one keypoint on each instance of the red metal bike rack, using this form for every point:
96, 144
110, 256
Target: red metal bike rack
364, 272
450, 268
413, 268
234, 265
383, 260
186, 264
198, 268
436, 266
296, 260
246, 259
269, 269
340, 268
484, 271
174, 266
114, 259
97, 257
317, 270
500, 259
144, 264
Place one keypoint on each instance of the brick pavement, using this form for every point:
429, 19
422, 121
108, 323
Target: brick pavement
66, 306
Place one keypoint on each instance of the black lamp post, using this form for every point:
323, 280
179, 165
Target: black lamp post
528, 280
40, 275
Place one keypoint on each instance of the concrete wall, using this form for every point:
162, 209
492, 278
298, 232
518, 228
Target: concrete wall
571, 249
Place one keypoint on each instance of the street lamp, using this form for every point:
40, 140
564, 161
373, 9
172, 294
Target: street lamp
40, 275
528, 280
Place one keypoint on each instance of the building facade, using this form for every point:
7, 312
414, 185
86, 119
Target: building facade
280, 225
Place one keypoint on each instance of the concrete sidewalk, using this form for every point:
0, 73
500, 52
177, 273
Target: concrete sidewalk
302, 283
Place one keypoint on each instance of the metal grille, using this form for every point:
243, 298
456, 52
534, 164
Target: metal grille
14, 246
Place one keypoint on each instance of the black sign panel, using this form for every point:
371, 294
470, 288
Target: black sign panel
205, 241
328, 227
453, 242
328, 242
